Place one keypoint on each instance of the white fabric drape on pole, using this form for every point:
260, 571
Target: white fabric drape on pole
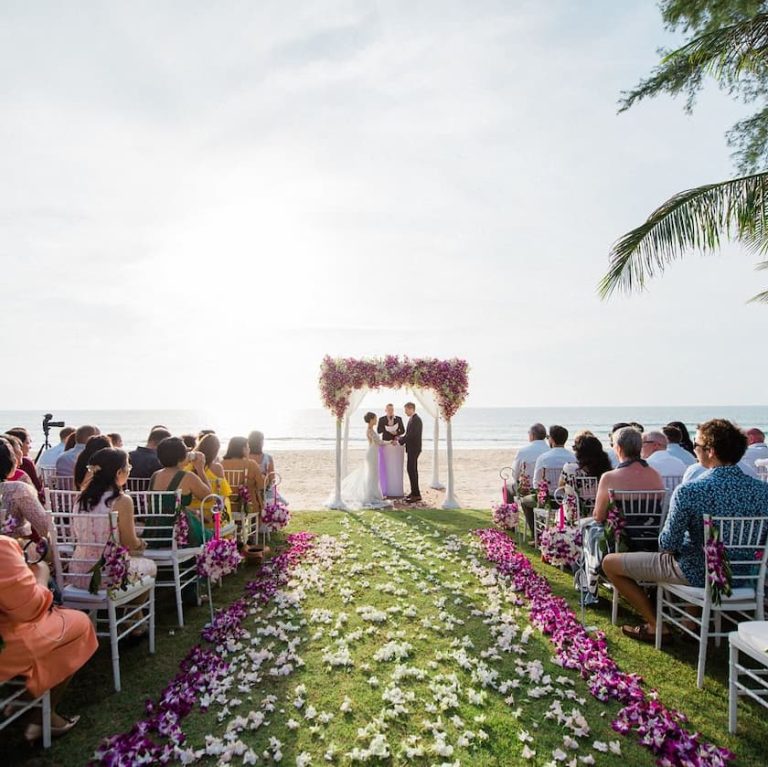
450, 501
355, 398
337, 502
426, 398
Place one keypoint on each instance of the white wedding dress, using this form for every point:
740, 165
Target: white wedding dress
360, 489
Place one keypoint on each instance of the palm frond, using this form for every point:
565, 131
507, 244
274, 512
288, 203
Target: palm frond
760, 298
697, 219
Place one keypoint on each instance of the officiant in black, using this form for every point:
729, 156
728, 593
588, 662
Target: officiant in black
390, 425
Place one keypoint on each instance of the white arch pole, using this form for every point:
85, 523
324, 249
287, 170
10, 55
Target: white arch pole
450, 501
337, 502
436, 483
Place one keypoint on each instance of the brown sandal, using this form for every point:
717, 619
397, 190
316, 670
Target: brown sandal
643, 633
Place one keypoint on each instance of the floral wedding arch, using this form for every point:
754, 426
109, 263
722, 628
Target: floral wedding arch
440, 385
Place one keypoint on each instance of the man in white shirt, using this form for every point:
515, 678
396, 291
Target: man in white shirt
556, 457
526, 456
756, 447
65, 464
655, 453
51, 455
674, 438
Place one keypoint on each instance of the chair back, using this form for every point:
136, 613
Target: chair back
746, 542
47, 474
236, 477
644, 512
762, 473
552, 476
60, 501
62, 482
82, 535
138, 484
586, 492
155, 515
671, 482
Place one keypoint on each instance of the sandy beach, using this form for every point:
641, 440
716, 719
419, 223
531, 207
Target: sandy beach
308, 476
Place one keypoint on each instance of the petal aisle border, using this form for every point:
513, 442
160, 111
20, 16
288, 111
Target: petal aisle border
660, 729
200, 671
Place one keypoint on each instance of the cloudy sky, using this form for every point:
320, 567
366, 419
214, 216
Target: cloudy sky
200, 200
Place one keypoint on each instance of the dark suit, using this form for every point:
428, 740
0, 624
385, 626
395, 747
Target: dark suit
412, 442
385, 435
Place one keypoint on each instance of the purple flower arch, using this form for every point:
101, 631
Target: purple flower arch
340, 376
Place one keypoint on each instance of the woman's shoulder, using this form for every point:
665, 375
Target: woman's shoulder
215, 469
13, 487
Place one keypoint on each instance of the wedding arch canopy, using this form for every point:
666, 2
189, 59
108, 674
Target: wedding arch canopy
440, 386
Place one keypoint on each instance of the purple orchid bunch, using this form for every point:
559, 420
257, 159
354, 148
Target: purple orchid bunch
614, 526
111, 571
276, 515
719, 574
543, 499
560, 547
10, 524
524, 482
244, 495
219, 557
571, 508
155, 738
659, 729
506, 515
180, 524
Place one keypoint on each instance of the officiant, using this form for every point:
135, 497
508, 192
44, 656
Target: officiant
390, 425
391, 459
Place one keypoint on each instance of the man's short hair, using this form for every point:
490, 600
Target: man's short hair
755, 432
630, 440
65, 432
171, 451
538, 431
84, 433
410, 404
389, 404
558, 434
156, 436
638, 426
656, 436
673, 434
725, 439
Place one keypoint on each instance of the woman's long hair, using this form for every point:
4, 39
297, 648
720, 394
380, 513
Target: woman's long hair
209, 445
686, 441
593, 460
7, 458
236, 448
93, 445
106, 463
256, 442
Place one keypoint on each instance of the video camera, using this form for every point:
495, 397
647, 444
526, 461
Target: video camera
49, 423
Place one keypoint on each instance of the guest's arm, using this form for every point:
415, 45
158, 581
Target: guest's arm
24, 504
24, 595
678, 519
602, 498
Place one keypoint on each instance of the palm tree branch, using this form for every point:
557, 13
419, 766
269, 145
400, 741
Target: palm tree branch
696, 219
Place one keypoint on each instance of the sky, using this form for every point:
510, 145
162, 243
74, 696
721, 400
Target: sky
201, 200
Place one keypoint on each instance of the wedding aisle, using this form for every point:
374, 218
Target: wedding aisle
390, 638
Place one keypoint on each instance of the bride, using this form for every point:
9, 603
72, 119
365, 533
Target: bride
360, 489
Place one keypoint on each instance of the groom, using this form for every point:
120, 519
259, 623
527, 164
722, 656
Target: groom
412, 442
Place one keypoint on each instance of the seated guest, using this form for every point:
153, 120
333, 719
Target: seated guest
19, 475
43, 643
724, 491
756, 447
236, 459
591, 459
144, 460
93, 445
674, 447
49, 457
632, 473
173, 456
19, 499
655, 453
685, 442
266, 464
27, 464
208, 447
65, 464
525, 460
554, 458
190, 440
116, 440
104, 492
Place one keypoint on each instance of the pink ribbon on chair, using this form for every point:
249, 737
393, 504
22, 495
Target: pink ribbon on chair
505, 492
216, 524
561, 522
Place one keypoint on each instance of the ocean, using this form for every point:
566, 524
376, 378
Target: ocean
314, 429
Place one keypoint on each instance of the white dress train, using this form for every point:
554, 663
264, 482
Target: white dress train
361, 489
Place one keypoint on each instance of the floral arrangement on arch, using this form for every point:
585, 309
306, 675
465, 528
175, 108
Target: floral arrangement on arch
340, 376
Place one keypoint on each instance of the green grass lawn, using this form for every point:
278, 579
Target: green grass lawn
397, 561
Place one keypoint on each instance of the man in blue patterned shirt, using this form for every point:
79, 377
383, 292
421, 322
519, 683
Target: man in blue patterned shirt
723, 491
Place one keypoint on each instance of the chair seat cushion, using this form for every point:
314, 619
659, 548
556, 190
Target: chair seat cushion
755, 634
694, 593
72, 593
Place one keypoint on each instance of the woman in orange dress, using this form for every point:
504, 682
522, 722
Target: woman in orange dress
43, 643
